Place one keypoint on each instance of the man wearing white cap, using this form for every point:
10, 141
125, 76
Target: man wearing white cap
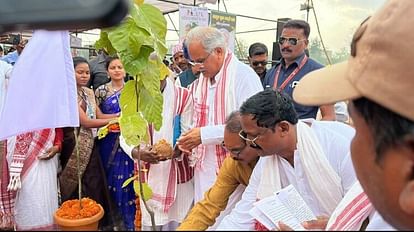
377, 79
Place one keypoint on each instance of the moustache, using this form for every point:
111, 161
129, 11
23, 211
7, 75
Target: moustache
286, 50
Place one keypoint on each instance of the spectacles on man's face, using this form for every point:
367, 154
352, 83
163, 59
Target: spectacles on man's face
234, 152
252, 142
291, 40
256, 63
200, 61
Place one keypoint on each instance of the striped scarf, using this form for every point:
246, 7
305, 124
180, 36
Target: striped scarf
351, 211
170, 172
23, 150
316, 168
6, 197
224, 104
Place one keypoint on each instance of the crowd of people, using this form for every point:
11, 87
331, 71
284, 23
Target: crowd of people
239, 134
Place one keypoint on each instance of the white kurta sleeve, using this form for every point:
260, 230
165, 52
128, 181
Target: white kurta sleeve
239, 218
212, 134
127, 148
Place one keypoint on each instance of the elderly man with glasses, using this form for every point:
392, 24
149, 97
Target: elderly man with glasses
311, 155
234, 174
224, 84
294, 65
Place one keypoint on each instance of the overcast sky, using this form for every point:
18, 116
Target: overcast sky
338, 19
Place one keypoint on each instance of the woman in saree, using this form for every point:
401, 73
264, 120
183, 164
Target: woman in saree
117, 164
93, 177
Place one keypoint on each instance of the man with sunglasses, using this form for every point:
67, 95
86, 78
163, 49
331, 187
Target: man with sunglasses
258, 59
311, 155
294, 65
233, 177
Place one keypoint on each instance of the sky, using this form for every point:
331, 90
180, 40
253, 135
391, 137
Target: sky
338, 19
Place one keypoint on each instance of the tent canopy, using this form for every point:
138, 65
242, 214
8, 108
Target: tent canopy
169, 6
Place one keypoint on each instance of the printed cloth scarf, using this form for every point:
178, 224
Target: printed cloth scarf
351, 211
224, 104
316, 167
164, 195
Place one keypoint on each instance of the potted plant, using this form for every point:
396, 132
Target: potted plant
82, 214
139, 41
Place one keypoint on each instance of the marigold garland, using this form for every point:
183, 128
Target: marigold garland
71, 209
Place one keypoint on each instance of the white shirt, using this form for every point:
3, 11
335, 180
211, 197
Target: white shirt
5, 71
335, 143
246, 84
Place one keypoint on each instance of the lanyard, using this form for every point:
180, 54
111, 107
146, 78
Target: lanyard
290, 77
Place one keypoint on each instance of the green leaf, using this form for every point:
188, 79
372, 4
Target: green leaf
105, 43
153, 107
145, 188
128, 181
133, 128
128, 37
128, 99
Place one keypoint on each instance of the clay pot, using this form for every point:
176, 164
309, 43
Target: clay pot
84, 224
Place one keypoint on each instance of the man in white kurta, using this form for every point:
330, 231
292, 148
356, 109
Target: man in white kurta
170, 180
224, 84
293, 141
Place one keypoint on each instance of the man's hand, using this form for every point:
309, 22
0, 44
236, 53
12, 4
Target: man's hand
318, 224
189, 140
49, 153
146, 154
283, 227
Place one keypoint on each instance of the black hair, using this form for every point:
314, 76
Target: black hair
257, 49
298, 24
270, 107
79, 60
109, 59
388, 128
233, 122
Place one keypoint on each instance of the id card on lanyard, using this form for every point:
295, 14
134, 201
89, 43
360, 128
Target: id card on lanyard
290, 77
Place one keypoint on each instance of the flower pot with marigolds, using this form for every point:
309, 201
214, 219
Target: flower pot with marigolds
79, 216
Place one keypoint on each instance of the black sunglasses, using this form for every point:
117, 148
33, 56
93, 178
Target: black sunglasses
256, 63
292, 41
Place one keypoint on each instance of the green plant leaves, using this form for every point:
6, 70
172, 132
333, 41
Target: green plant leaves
145, 188
128, 181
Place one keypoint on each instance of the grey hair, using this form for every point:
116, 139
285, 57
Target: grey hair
209, 37
233, 124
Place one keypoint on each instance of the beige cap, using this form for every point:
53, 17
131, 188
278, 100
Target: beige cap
381, 66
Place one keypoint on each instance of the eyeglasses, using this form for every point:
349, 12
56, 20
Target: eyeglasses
236, 153
256, 63
292, 41
252, 142
200, 62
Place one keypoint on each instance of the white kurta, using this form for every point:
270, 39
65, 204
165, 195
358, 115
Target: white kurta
335, 138
246, 84
5, 71
185, 191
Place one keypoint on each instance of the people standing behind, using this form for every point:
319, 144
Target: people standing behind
179, 62
235, 172
258, 57
312, 156
188, 76
35, 182
117, 164
18, 44
99, 74
377, 79
93, 175
224, 84
294, 65
169, 178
